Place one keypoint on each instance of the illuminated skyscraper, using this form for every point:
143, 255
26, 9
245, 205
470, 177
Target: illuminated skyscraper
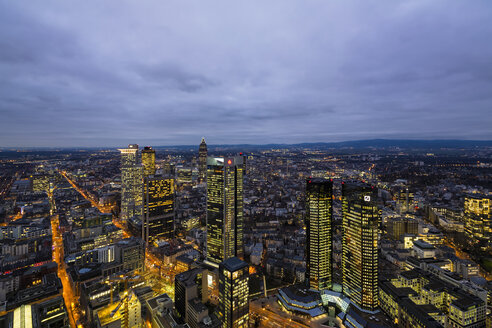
129, 156
202, 161
131, 183
478, 218
158, 218
233, 293
224, 208
148, 161
361, 220
318, 233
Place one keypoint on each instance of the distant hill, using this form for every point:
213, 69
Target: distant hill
356, 144
387, 143
359, 144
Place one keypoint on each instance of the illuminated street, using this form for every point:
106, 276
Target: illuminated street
85, 194
71, 302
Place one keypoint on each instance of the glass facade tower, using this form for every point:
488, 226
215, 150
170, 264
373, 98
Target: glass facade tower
202, 161
224, 208
319, 233
148, 161
131, 183
158, 222
361, 221
233, 293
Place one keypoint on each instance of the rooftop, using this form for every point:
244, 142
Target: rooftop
234, 264
423, 245
188, 277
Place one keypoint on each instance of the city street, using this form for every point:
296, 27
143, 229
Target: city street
71, 302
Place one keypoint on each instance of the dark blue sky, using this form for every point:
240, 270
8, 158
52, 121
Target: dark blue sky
90, 73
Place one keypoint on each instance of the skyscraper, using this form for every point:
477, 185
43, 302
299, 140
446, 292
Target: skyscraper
361, 220
148, 161
233, 293
158, 218
131, 183
318, 233
202, 161
129, 156
224, 208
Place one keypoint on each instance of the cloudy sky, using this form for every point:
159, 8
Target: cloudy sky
106, 73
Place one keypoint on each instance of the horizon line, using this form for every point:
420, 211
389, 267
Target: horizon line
257, 144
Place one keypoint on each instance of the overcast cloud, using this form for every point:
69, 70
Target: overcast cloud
106, 73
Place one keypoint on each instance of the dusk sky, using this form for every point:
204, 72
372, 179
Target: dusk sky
109, 73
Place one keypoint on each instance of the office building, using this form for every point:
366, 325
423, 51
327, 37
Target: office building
125, 313
404, 199
130, 254
224, 208
478, 218
158, 218
245, 166
416, 298
50, 313
190, 286
129, 155
184, 175
148, 161
202, 161
319, 233
160, 310
361, 220
131, 183
233, 293
40, 182
398, 227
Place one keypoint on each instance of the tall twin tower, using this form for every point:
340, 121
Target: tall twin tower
360, 227
224, 177
224, 208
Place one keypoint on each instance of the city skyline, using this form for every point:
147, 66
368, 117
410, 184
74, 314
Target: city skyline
170, 73
292, 237
297, 164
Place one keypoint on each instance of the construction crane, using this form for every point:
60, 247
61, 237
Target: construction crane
125, 301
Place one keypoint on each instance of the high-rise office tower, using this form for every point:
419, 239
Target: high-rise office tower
318, 233
224, 208
233, 293
478, 218
202, 161
158, 218
131, 183
361, 221
245, 166
148, 161
129, 156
